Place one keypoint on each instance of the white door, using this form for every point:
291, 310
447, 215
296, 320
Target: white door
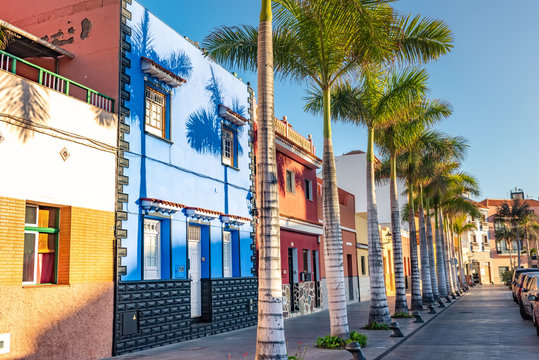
152, 249
193, 233
227, 254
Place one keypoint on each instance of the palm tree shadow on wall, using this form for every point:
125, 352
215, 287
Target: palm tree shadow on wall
22, 98
204, 125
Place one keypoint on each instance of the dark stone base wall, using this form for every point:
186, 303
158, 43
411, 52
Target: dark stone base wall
163, 311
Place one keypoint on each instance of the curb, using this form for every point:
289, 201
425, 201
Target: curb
382, 355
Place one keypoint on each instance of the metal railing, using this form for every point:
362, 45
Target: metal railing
56, 82
284, 129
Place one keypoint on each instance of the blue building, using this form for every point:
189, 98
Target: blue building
185, 263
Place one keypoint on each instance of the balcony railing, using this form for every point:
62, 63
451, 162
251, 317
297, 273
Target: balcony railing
284, 129
54, 81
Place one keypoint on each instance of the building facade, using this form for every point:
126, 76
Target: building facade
187, 264
501, 253
58, 142
351, 176
476, 251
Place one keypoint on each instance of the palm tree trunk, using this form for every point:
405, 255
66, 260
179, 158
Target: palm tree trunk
529, 262
518, 248
270, 337
401, 305
333, 246
379, 312
440, 263
417, 301
461, 265
428, 297
432, 265
447, 265
456, 283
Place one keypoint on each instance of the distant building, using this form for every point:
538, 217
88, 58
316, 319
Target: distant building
351, 176
500, 250
476, 249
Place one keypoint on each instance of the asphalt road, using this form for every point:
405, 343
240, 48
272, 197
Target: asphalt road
484, 324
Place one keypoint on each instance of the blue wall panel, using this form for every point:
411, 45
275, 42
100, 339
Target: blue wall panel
186, 167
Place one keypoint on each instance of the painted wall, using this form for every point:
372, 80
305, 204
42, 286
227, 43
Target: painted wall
56, 321
88, 29
291, 239
351, 176
296, 204
31, 154
187, 167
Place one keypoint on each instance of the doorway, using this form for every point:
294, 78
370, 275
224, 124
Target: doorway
350, 277
193, 237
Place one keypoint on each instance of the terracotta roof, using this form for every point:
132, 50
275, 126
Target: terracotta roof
354, 152
179, 78
170, 203
478, 204
498, 202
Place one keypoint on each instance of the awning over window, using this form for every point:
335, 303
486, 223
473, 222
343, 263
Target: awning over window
231, 116
162, 74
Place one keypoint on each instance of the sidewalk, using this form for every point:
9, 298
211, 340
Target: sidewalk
302, 330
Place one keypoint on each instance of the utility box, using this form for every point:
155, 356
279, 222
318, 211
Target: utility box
130, 323
5, 340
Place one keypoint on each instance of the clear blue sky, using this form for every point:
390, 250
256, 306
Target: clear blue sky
491, 78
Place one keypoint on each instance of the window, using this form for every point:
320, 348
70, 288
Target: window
485, 239
308, 189
363, 265
290, 181
40, 245
155, 118
228, 147
152, 249
227, 254
474, 239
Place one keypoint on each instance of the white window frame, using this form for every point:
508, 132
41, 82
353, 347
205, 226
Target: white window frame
227, 254
150, 104
292, 188
227, 139
157, 233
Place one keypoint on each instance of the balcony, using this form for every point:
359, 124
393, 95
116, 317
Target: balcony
284, 130
32, 72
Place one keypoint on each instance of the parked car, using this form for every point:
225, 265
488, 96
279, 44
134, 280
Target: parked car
534, 300
516, 274
529, 285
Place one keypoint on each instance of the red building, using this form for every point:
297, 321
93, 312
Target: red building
347, 211
300, 203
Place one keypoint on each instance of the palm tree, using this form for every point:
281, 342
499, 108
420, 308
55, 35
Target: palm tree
321, 42
270, 337
504, 234
392, 141
511, 215
378, 100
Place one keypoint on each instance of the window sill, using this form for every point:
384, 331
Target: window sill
158, 137
44, 286
231, 166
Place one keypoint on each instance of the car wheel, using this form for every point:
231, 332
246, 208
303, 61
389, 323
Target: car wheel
523, 312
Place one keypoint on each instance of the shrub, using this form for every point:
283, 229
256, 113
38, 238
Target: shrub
402, 315
335, 342
330, 342
376, 326
361, 339
507, 277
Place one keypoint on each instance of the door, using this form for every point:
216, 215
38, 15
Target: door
350, 277
193, 235
316, 279
227, 254
152, 249
291, 279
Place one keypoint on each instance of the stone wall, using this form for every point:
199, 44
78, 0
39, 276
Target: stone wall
304, 298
